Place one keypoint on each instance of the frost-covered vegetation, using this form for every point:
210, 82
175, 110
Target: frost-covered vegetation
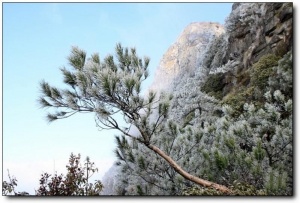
223, 128
236, 135
209, 140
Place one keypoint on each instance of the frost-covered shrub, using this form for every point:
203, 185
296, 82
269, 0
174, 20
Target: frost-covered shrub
283, 77
246, 14
213, 57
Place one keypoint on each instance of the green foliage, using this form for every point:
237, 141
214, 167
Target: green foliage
259, 152
262, 70
140, 190
201, 191
188, 118
237, 99
245, 189
163, 108
276, 183
69, 78
243, 78
238, 189
141, 163
252, 84
214, 85
230, 143
221, 161
77, 58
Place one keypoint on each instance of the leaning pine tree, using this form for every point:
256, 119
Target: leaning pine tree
112, 88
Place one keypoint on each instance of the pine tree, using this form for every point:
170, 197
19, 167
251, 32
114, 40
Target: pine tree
112, 88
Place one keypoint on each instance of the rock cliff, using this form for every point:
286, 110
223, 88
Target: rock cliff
257, 29
251, 31
186, 53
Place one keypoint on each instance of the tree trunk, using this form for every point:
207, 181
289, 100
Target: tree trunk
186, 175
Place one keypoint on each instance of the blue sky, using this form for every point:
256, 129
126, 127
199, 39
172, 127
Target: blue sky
37, 38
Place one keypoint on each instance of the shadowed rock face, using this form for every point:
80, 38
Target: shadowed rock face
185, 54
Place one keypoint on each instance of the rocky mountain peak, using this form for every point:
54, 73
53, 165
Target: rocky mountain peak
185, 54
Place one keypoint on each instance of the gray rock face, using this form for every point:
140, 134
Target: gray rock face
185, 54
267, 28
252, 30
